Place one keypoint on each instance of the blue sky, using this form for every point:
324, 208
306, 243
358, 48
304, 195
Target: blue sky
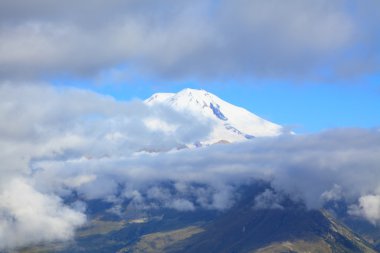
303, 107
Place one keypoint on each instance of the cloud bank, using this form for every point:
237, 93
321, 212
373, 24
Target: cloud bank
40, 123
178, 39
58, 141
335, 165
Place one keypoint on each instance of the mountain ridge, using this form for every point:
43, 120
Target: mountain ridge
291, 229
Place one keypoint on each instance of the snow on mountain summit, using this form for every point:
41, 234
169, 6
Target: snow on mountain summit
230, 123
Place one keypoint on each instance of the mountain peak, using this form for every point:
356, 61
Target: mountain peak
231, 123
193, 93
191, 90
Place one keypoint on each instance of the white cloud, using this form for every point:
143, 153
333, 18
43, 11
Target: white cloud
43, 125
368, 207
313, 168
179, 39
334, 194
77, 181
268, 200
182, 205
28, 216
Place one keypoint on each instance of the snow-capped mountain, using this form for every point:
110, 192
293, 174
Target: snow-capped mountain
230, 123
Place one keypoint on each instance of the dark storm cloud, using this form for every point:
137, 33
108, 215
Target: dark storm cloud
203, 39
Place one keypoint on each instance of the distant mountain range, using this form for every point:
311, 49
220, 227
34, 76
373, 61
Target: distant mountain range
229, 123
